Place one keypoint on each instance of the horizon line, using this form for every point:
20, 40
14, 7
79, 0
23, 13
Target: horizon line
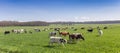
59, 21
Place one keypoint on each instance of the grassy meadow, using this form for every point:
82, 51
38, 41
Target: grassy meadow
37, 42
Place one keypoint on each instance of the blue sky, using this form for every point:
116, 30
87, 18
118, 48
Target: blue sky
59, 10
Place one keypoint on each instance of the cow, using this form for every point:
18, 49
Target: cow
100, 32
105, 27
90, 30
37, 30
65, 33
52, 33
76, 36
58, 40
7, 32
57, 29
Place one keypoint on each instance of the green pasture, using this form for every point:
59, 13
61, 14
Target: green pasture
38, 42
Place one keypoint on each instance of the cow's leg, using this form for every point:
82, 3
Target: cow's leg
83, 38
63, 45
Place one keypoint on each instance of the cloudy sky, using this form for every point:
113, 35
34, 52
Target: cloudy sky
59, 10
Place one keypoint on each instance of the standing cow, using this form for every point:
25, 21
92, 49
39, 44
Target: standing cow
100, 32
57, 29
76, 36
58, 40
52, 33
7, 32
65, 33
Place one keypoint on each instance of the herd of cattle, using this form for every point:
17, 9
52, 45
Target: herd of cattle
59, 39
19, 31
72, 36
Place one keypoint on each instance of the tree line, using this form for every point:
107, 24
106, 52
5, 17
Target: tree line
16, 23
43, 23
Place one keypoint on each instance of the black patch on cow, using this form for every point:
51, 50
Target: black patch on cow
62, 41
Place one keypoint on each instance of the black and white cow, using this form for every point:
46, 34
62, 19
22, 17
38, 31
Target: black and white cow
58, 40
57, 29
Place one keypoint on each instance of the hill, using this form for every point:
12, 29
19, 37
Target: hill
16, 23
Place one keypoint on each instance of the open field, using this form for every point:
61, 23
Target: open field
37, 42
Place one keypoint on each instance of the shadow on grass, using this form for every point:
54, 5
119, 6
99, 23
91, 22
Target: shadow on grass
98, 36
48, 46
34, 44
72, 43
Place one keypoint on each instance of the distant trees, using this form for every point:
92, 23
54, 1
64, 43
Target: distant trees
16, 23
42, 23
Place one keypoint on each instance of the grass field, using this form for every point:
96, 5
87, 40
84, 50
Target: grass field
37, 42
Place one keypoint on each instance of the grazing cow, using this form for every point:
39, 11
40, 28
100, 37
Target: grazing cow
57, 29
100, 32
58, 40
90, 30
52, 34
105, 27
7, 32
63, 33
37, 30
76, 36
12, 30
